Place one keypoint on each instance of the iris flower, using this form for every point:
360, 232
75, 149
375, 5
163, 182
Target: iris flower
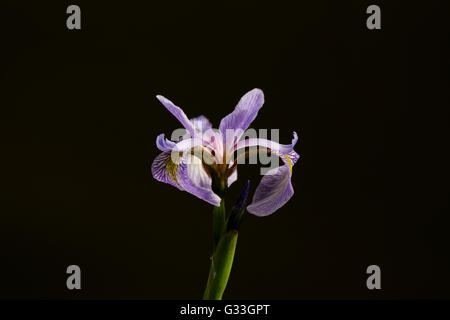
204, 161
208, 175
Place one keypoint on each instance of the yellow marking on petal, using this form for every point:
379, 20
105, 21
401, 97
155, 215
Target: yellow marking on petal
289, 161
172, 168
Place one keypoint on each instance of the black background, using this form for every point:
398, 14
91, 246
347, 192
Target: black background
79, 120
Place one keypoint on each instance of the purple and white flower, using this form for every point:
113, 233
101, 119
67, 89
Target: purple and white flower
180, 165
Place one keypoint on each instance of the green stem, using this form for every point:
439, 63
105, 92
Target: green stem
219, 218
221, 263
225, 231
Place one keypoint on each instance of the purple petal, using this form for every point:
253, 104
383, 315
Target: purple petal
188, 144
201, 123
187, 174
242, 116
284, 151
272, 145
292, 156
178, 113
165, 170
274, 190
196, 181
164, 144
233, 177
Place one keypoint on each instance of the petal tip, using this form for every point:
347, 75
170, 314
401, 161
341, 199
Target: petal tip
295, 139
257, 92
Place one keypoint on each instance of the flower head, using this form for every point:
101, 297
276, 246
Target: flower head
203, 161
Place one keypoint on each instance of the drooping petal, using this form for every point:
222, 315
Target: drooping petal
164, 169
164, 144
196, 172
196, 181
242, 116
186, 173
178, 113
274, 190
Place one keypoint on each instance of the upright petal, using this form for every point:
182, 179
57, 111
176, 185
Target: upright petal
201, 123
178, 113
274, 190
242, 116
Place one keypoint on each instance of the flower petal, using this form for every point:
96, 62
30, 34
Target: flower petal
201, 123
165, 170
164, 144
178, 113
233, 177
187, 144
186, 173
284, 151
274, 190
272, 145
242, 116
196, 181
